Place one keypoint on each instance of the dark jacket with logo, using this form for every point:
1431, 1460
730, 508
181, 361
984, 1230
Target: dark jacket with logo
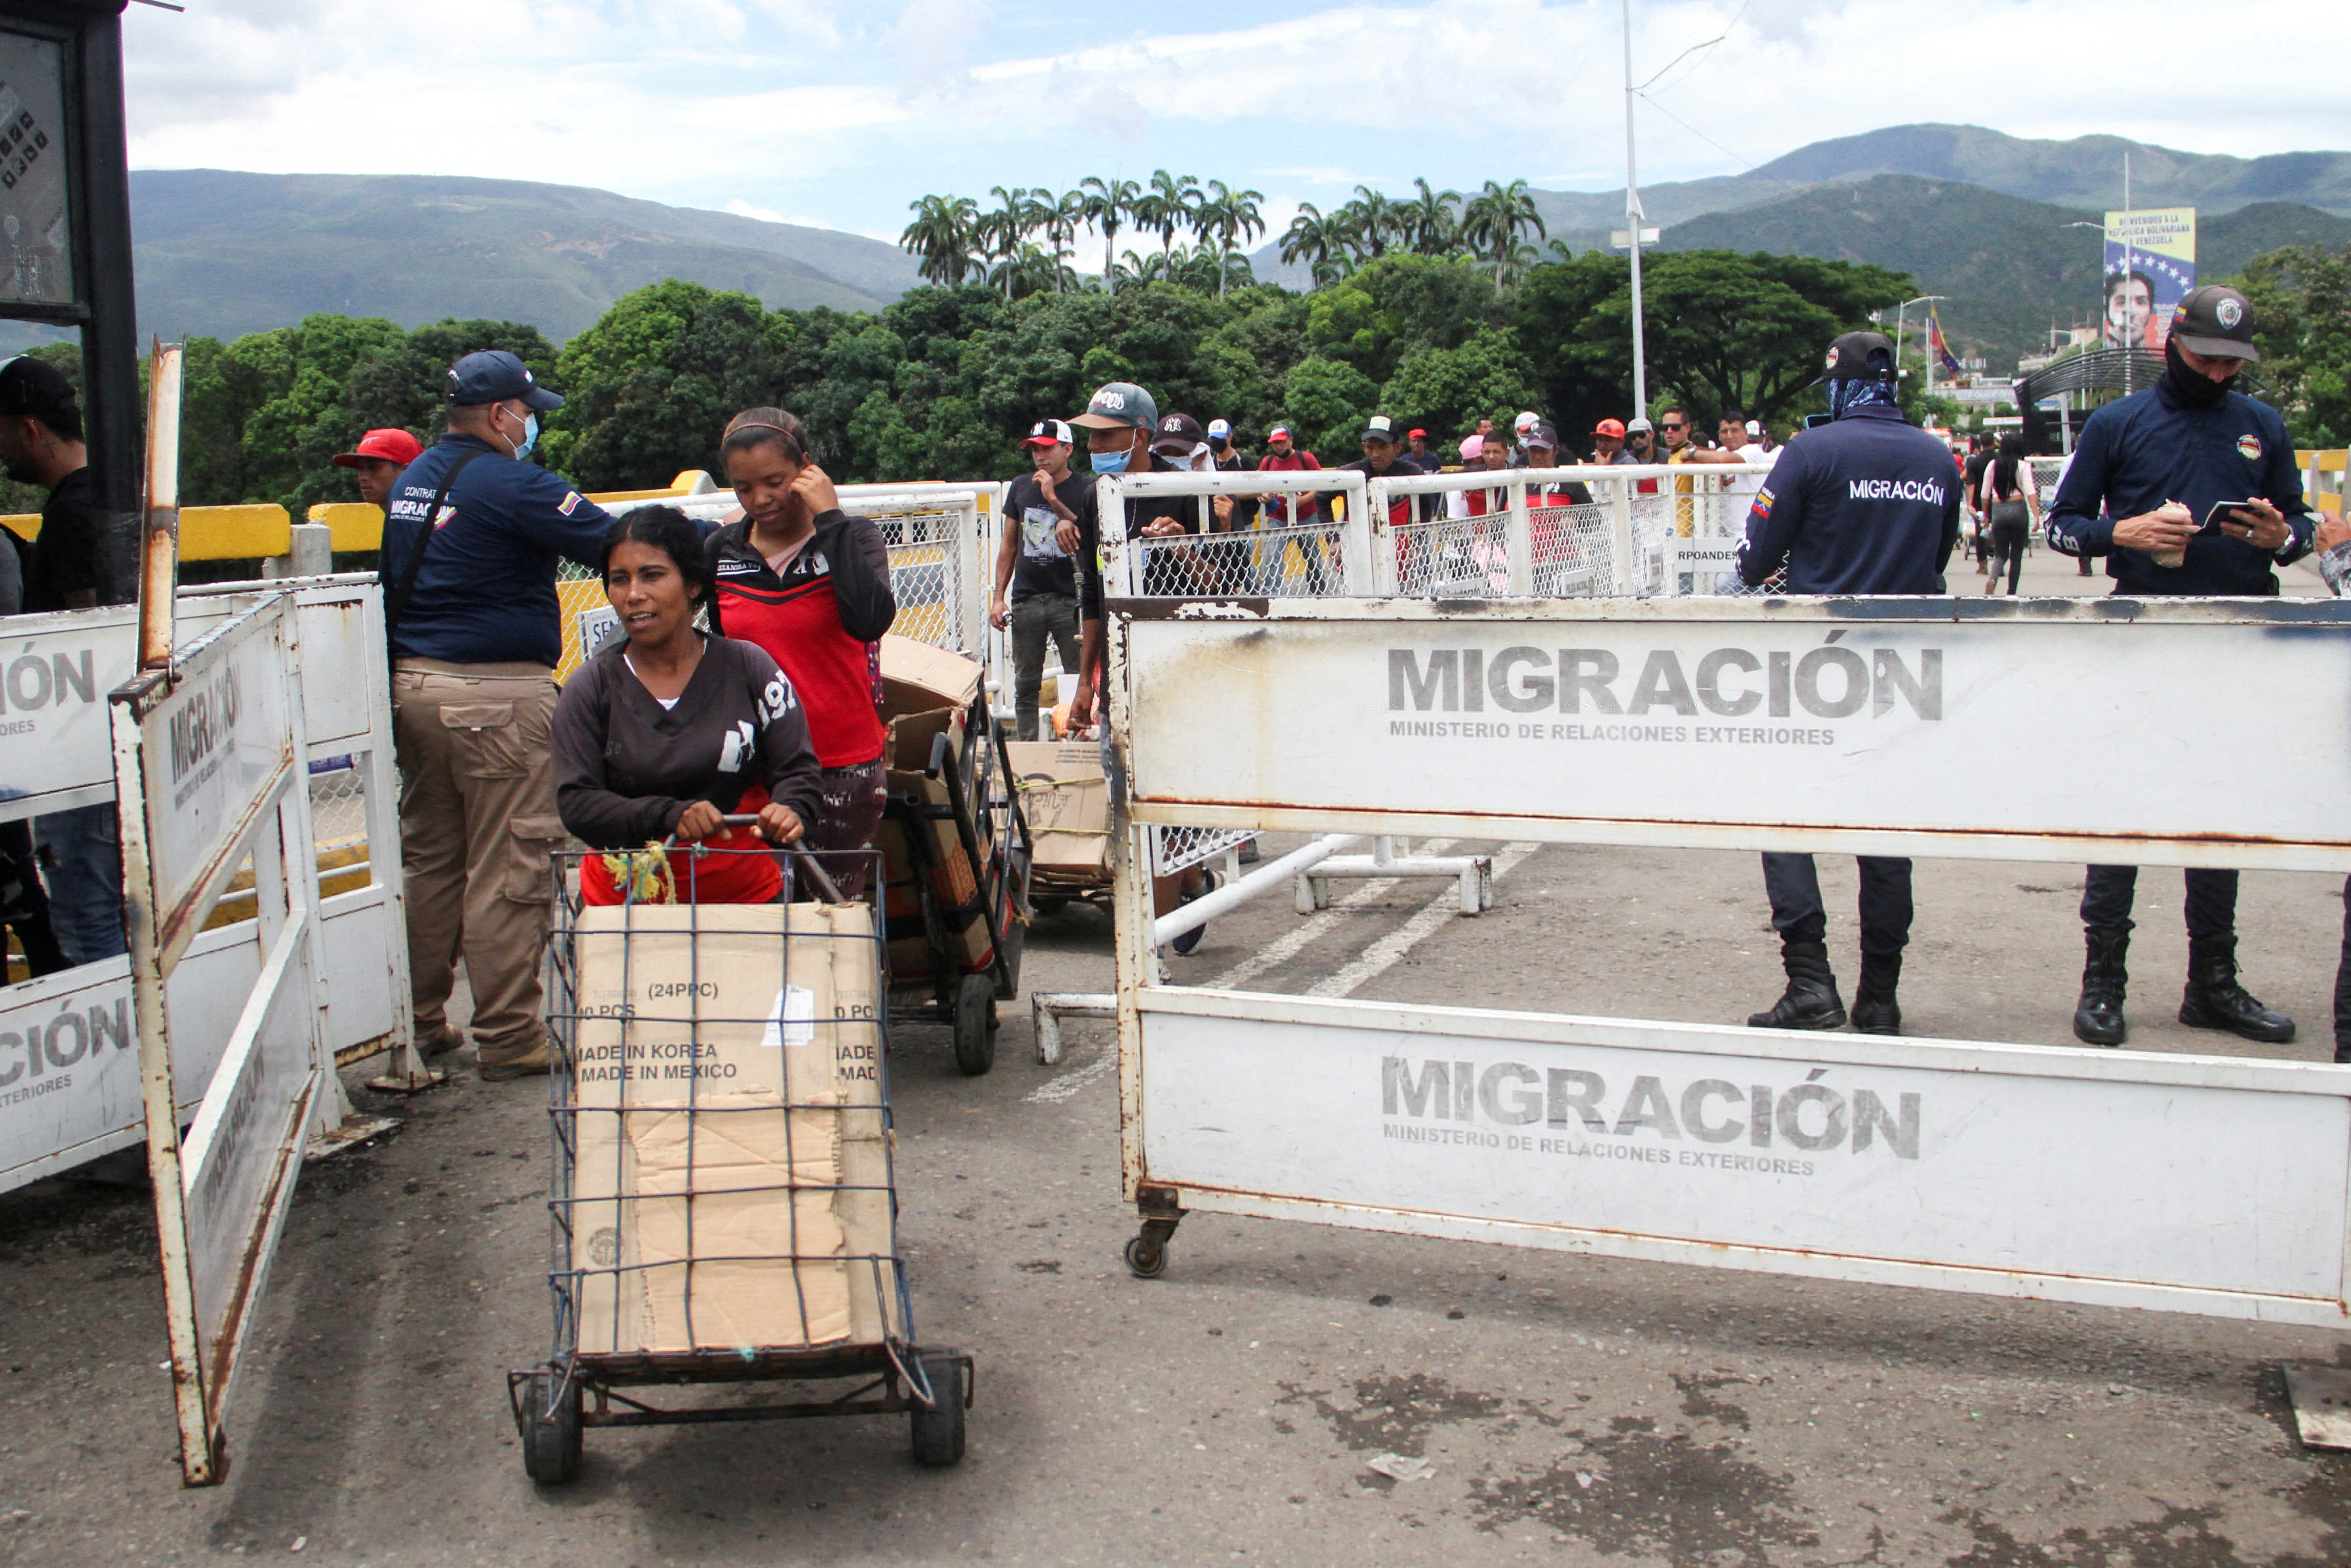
626, 768
1868, 505
2146, 449
486, 593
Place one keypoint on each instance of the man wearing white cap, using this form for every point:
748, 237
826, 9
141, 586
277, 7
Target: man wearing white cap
1526, 421
1035, 562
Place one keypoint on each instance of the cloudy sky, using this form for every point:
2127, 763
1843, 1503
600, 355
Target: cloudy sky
841, 114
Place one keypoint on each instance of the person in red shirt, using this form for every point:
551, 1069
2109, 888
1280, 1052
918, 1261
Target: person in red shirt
1282, 456
808, 583
668, 730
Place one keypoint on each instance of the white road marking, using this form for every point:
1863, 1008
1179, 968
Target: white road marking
1384, 954
1063, 1085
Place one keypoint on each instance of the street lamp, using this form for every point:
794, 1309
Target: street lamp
1922, 299
1633, 234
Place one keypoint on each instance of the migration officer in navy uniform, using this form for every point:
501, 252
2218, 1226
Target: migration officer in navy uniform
470, 612
2149, 471
1867, 504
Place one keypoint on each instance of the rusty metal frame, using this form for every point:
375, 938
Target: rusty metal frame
161, 922
1241, 1044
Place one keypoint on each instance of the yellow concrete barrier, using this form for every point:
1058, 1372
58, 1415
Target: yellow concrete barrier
351, 525
210, 533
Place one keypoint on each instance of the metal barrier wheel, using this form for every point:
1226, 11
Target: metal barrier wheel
975, 1025
551, 1441
938, 1429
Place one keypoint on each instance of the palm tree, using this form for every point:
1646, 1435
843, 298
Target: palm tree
943, 234
1310, 238
1514, 264
1172, 203
1496, 217
1229, 216
1028, 269
1429, 224
1371, 222
1062, 219
1109, 204
1007, 229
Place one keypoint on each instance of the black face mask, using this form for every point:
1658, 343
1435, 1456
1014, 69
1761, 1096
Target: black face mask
2189, 387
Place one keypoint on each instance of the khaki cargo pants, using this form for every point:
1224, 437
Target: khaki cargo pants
476, 825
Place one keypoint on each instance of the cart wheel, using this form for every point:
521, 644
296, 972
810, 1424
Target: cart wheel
975, 1025
1148, 1255
938, 1431
550, 1445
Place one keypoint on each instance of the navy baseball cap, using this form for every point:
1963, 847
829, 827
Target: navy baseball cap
2216, 319
494, 376
1851, 358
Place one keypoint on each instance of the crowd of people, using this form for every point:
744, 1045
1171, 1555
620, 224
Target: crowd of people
738, 708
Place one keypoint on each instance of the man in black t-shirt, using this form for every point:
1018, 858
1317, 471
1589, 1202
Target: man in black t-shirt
71, 567
1037, 563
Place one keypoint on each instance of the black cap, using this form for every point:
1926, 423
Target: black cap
1177, 434
1540, 434
35, 387
1852, 358
494, 376
1380, 427
2217, 320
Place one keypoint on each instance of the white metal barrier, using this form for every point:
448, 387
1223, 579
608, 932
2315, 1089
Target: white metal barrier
68, 1088
939, 538
1317, 560
211, 771
1560, 533
2219, 1186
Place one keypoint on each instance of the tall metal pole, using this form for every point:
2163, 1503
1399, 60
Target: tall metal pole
2130, 347
1632, 229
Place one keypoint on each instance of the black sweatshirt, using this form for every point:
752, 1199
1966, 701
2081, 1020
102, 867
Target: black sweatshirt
626, 770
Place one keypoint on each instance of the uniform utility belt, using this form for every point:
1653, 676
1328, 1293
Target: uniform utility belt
515, 670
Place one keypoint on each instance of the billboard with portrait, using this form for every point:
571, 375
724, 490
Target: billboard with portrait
2150, 263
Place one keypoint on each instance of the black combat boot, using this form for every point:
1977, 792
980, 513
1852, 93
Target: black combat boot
1874, 1010
2214, 1001
2098, 1016
1812, 1000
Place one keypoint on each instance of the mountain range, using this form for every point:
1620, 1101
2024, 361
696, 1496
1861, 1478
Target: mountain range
1977, 216
1974, 214
221, 253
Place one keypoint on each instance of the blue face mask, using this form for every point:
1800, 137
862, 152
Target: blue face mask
529, 437
1111, 462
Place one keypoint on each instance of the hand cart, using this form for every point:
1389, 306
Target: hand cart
724, 1199
944, 899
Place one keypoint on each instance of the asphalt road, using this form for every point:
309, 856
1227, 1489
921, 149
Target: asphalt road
1571, 1410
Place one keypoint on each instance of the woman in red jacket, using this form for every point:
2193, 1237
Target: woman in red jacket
811, 585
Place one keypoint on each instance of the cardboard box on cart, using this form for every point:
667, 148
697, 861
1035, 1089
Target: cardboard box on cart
1066, 801
730, 1168
927, 692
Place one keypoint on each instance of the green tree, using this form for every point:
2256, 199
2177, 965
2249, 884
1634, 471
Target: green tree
299, 419
1329, 400
2301, 323
1721, 328
651, 386
1449, 390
